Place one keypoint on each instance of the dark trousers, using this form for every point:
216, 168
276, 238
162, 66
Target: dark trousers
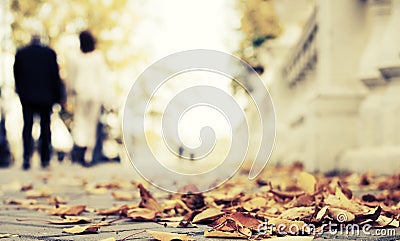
44, 111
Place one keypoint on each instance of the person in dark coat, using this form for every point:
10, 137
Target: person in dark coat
38, 84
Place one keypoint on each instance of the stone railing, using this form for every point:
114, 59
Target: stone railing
303, 56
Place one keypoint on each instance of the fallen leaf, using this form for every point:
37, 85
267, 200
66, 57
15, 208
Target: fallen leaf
23, 202
143, 214
306, 182
164, 236
254, 203
73, 211
298, 213
96, 190
287, 194
148, 200
193, 201
123, 196
38, 193
57, 201
384, 221
81, 229
207, 215
115, 210
71, 220
26, 187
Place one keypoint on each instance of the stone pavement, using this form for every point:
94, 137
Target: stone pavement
65, 180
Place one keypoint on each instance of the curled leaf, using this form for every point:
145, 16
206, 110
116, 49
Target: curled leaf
148, 200
81, 229
73, 211
71, 220
123, 196
143, 214
207, 215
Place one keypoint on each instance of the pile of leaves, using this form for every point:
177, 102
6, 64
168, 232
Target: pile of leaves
284, 201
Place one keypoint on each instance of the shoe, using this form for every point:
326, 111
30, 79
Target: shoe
26, 166
45, 164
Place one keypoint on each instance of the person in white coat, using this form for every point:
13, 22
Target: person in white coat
87, 77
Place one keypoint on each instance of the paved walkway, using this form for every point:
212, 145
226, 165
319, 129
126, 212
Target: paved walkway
66, 181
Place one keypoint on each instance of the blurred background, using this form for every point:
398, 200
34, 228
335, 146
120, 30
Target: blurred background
332, 67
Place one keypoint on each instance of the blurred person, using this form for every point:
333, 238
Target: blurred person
87, 77
38, 84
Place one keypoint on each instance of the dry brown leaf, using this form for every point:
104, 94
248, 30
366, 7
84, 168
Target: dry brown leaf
123, 196
287, 194
96, 190
306, 182
22, 202
255, 203
148, 200
246, 220
175, 204
43, 193
340, 200
193, 201
72, 211
26, 187
81, 229
298, 213
71, 220
115, 210
143, 214
207, 215
384, 221
57, 201
164, 236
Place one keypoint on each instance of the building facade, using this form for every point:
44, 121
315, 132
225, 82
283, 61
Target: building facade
335, 91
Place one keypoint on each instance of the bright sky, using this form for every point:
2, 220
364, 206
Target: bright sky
177, 25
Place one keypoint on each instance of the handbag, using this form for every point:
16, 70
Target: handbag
61, 138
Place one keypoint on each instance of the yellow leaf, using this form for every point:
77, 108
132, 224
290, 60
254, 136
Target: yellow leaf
207, 214
123, 196
306, 182
22, 202
37, 193
164, 236
384, 221
141, 214
81, 229
71, 220
74, 210
254, 203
